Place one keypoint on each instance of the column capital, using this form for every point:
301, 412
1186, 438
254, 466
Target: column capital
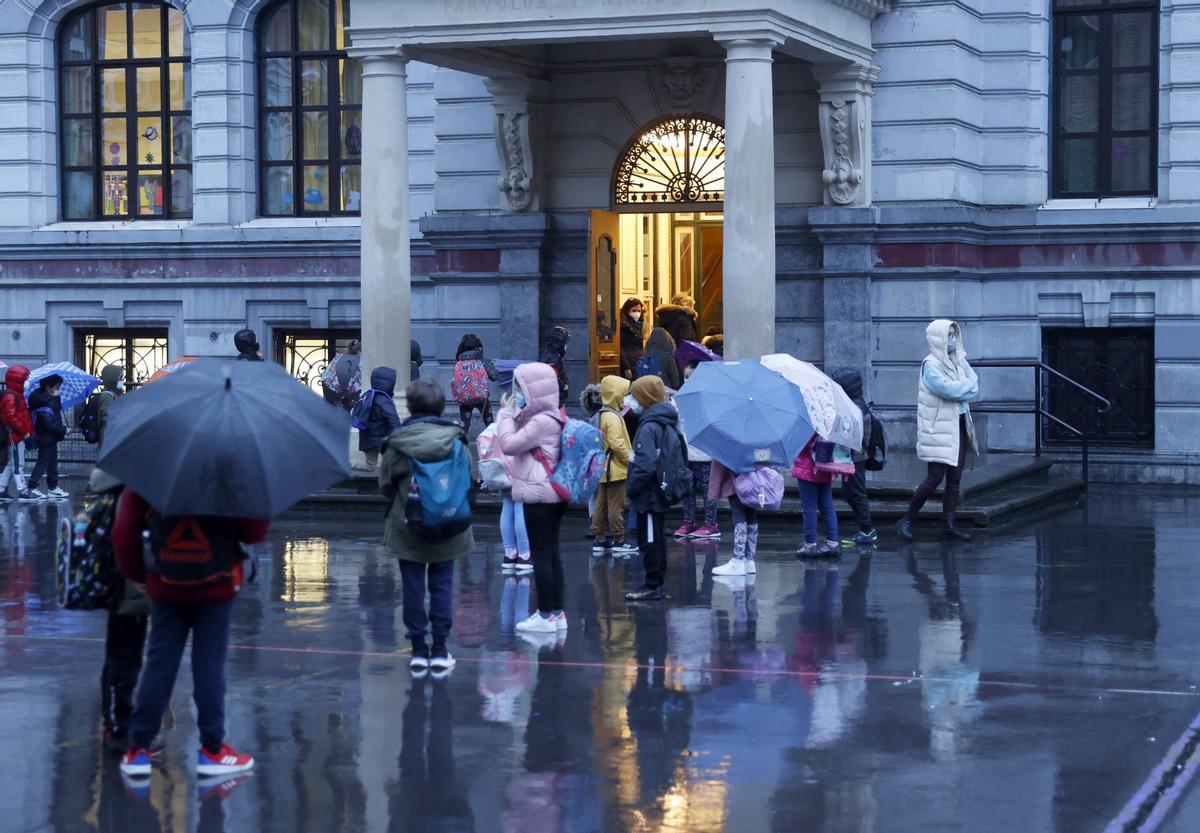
750, 44
517, 92
845, 80
380, 59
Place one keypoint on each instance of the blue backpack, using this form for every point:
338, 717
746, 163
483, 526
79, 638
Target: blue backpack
439, 506
361, 414
581, 463
649, 364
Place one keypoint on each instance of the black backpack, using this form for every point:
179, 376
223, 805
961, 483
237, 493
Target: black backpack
672, 474
89, 420
875, 446
85, 567
193, 550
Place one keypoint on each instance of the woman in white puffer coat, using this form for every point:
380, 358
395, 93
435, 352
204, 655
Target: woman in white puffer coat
944, 428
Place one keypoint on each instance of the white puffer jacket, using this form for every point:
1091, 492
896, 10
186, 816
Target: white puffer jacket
937, 412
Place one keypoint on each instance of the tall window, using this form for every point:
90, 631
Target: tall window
310, 111
125, 119
141, 352
1105, 97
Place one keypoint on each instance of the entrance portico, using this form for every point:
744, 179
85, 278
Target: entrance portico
517, 46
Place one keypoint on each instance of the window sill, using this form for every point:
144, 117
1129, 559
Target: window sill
302, 222
1110, 203
117, 225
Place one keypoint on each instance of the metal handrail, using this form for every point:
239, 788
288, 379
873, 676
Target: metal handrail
1038, 410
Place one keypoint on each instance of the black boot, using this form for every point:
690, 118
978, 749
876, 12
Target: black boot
904, 528
953, 532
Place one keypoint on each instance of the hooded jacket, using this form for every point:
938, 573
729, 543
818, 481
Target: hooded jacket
13, 410
553, 353
383, 419
947, 383
414, 359
659, 417
632, 340
426, 439
662, 345
48, 424
111, 376
612, 427
533, 438
679, 321
246, 343
851, 381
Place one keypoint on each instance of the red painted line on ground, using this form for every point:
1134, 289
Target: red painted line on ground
770, 672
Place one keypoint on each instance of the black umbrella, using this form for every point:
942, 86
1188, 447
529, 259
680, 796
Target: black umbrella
222, 437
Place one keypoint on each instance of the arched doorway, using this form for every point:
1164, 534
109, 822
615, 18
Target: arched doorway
662, 234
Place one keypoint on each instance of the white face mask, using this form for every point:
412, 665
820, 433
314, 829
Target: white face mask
636, 315
121, 385
952, 343
632, 404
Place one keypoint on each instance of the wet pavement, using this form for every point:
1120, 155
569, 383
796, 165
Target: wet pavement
1031, 680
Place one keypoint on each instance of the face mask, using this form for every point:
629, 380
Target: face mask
121, 385
519, 400
636, 315
952, 343
632, 404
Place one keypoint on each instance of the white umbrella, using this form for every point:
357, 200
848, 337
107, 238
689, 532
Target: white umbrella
833, 415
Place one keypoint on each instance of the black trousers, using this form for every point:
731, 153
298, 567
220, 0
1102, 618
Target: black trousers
854, 492
124, 643
938, 472
652, 541
543, 522
466, 409
47, 464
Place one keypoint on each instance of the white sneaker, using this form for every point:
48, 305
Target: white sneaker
537, 623
751, 569
732, 567
560, 621
58, 494
442, 662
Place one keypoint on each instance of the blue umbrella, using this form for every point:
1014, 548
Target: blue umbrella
741, 415
77, 383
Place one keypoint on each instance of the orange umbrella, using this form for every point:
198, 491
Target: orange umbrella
170, 367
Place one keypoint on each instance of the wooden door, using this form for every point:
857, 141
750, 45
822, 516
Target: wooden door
605, 304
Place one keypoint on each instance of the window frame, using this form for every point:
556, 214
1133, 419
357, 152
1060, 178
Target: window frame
165, 114
1105, 73
333, 108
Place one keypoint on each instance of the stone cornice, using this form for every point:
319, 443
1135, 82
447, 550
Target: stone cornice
867, 8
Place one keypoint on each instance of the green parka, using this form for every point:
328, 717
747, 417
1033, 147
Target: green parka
426, 439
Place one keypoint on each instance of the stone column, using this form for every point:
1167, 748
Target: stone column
749, 196
386, 269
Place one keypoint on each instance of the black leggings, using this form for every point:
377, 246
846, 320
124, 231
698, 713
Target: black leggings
939, 472
543, 522
466, 409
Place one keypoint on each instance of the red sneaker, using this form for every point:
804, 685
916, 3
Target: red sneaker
225, 762
685, 531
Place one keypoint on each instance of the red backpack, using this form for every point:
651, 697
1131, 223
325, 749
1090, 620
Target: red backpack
470, 381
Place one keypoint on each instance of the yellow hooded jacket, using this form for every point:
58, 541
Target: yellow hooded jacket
612, 426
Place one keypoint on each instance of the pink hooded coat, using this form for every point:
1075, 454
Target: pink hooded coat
538, 428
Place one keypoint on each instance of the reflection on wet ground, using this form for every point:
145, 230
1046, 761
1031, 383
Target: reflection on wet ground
1028, 681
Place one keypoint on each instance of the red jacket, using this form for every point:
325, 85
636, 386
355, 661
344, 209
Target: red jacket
132, 513
13, 410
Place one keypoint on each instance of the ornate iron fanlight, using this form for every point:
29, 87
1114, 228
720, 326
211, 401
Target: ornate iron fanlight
679, 161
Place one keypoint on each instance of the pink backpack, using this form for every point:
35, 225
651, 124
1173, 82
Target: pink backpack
761, 488
495, 470
470, 381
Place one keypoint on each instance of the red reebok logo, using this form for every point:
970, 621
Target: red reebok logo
187, 543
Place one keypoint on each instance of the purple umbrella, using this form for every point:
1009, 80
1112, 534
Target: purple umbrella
691, 351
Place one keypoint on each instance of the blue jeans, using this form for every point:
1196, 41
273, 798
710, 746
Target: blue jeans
439, 579
814, 496
169, 628
512, 527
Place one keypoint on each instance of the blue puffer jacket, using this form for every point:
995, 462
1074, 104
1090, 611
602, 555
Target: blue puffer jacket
384, 419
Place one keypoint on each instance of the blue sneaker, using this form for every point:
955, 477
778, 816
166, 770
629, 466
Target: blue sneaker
862, 539
136, 762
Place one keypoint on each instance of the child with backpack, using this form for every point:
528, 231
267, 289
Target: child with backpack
375, 416
816, 492
470, 386
608, 514
530, 430
495, 470
94, 417
16, 424
701, 466
659, 359
748, 493
658, 479
49, 429
192, 572
854, 487
427, 473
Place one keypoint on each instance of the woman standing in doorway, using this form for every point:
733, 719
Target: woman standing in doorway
633, 338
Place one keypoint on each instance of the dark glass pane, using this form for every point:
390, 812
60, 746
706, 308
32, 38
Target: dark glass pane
181, 139
316, 188
79, 38
351, 185
150, 141
314, 25
77, 90
1079, 41
316, 135
1079, 104
114, 32
314, 87
1131, 170
277, 30
114, 140
277, 141
179, 86
276, 76
147, 30
1077, 166
113, 90
280, 192
115, 199
181, 193
1132, 36
179, 40
351, 133
149, 89
150, 193
351, 81
1131, 99
80, 204
78, 142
